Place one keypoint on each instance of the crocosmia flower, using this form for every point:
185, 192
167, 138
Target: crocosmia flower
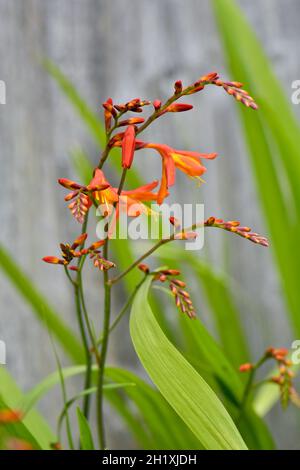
186, 161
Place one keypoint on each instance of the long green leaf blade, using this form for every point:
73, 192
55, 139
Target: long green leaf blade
40, 306
271, 141
33, 427
86, 438
178, 381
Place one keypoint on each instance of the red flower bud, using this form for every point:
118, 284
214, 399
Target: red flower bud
179, 107
174, 222
96, 245
178, 87
66, 183
79, 240
170, 272
246, 367
156, 104
128, 146
109, 112
209, 77
127, 122
144, 268
53, 260
186, 236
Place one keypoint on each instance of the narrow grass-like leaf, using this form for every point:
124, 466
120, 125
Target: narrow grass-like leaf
156, 413
210, 361
41, 307
151, 405
271, 142
178, 381
86, 438
33, 427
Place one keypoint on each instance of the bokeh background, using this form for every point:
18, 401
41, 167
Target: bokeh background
125, 49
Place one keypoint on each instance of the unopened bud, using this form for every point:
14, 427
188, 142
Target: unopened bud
246, 367
178, 87
144, 268
179, 107
156, 104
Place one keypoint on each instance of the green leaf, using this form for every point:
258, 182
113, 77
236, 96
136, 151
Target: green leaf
270, 135
220, 299
156, 413
178, 381
86, 438
40, 306
132, 420
33, 427
209, 359
42, 388
149, 402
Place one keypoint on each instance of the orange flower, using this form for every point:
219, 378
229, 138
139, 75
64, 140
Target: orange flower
186, 161
109, 197
130, 201
135, 197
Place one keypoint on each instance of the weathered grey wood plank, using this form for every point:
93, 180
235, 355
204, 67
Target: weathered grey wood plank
124, 49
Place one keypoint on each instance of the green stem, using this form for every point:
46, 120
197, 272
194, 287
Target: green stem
123, 310
64, 395
87, 321
69, 276
106, 321
78, 301
249, 385
140, 259
105, 334
87, 382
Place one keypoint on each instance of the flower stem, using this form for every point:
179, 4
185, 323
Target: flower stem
123, 310
140, 259
87, 383
88, 323
249, 385
106, 321
78, 292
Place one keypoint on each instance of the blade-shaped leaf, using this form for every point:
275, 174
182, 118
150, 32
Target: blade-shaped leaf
33, 427
209, 359
40, 306
271, 137
178, 381
86, 438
